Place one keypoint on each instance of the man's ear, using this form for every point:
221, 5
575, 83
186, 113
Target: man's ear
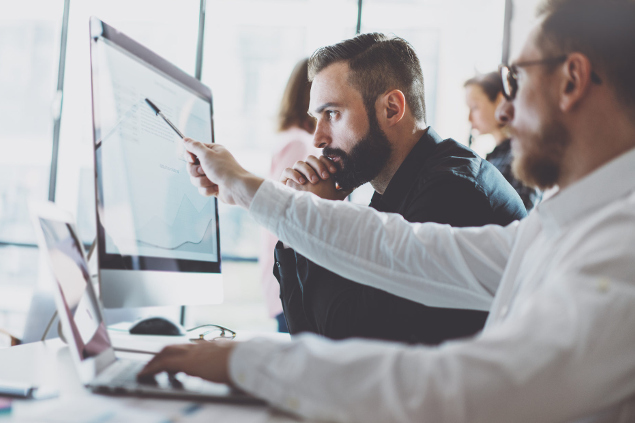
576, 81
393, 107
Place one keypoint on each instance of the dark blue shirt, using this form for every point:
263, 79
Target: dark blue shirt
439, 181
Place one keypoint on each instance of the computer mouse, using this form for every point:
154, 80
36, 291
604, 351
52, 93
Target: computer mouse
157, 326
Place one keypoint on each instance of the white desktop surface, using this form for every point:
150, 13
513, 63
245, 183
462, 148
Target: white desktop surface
151, 343
49, 364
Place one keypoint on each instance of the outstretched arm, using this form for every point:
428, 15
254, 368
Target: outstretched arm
428, 263
564, 351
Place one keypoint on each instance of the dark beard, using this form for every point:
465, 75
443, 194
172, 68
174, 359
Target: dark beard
540, 167
365, 161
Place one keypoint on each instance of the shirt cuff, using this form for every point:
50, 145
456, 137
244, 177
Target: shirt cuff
269, 204
248, 365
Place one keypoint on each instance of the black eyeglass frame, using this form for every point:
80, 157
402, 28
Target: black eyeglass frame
509, 74
223, 330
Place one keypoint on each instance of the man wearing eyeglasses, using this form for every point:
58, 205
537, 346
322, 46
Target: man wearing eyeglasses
558, 345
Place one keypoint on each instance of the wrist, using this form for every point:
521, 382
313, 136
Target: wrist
229, 349
244, 188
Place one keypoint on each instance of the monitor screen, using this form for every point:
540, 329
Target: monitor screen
150, 215
158, 241
71, 274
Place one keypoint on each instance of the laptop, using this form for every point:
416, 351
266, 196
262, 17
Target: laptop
84, 327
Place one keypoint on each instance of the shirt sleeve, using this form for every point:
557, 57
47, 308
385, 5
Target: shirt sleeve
562, 352
427, 263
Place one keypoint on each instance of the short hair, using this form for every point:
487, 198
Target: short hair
491, 84
378, 63
602, 30
295, 100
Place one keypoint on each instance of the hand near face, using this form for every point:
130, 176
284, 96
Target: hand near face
207, 360
314, 175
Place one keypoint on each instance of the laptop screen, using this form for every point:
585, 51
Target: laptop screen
72, 278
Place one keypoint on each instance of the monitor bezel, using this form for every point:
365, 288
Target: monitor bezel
101, 30
87, 368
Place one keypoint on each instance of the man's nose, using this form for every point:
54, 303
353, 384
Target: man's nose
321, 137
505, 112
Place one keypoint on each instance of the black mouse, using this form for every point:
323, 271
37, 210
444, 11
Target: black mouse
157, 326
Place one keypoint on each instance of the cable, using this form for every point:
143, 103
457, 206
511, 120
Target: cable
48, 327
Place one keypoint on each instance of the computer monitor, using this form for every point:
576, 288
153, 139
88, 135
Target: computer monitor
158, 239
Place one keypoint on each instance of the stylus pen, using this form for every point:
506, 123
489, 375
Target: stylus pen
159, 113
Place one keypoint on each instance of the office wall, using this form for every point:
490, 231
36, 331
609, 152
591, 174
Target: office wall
523, 20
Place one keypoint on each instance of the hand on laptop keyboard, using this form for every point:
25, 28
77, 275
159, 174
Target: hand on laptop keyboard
207, 360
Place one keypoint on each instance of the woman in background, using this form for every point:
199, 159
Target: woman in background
483, 94
295, 134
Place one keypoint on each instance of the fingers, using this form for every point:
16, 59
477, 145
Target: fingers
322, 166
194, 169
201, 182
209, 191
328, 163
313, 169
195, 147
167, 360
205, 186
191, 158
293, 175
291, 184
307, 171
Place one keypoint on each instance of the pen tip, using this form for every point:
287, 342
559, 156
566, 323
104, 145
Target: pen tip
151, 104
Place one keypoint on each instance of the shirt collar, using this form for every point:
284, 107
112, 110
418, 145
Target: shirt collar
504, 147
405, 177
611, 181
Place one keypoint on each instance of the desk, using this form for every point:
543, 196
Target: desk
50, 364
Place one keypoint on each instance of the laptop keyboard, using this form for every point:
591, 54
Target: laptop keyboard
126, 372
121, 378
121, 373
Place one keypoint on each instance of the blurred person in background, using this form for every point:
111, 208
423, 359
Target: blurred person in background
483, 94
295, 142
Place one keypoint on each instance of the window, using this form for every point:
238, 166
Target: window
251, 46
29, 52
249, 50
454, 40
169, 28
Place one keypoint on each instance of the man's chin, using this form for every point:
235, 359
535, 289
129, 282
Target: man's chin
535, 172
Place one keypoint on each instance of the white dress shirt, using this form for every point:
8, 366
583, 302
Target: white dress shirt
559, 345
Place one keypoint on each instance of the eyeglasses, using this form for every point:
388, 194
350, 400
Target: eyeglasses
509, 74
215, 333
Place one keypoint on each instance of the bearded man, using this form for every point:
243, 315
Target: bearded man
367, 98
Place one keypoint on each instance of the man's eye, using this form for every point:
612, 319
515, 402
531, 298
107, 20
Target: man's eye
331, 114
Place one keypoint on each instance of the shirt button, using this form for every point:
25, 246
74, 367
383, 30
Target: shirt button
278, 264
293, 403
604, 285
